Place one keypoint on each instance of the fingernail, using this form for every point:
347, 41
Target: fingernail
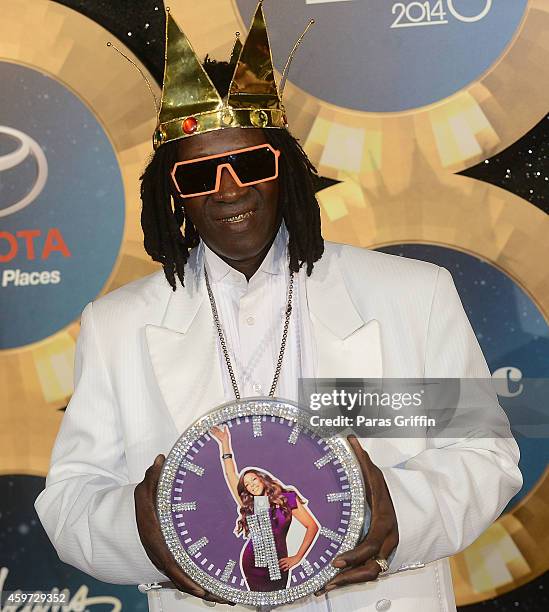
158, 459
339, 563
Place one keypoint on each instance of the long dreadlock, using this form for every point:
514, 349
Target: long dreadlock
169, 235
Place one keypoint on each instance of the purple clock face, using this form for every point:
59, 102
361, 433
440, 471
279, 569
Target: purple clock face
259, 504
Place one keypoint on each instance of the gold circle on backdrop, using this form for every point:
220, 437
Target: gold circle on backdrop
455, 133
507, 232
36, 380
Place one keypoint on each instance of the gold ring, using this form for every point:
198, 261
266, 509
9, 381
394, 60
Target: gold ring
382, 564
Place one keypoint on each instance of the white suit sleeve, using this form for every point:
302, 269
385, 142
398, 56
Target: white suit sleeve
87, 507
448, 494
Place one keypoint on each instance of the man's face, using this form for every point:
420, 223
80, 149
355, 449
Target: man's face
214, 214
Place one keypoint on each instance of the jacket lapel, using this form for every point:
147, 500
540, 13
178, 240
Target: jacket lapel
183, 348
348, 345
183, 351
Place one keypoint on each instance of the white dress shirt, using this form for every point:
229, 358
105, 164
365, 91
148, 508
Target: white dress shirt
252, 315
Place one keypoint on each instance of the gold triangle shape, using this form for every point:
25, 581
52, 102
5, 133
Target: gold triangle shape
253, 83
187, 89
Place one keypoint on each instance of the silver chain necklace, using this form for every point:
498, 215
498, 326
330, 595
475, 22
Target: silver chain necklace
221, 335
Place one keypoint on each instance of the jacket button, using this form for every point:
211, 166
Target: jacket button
383, 604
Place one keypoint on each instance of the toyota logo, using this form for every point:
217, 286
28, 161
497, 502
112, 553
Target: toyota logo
27, 145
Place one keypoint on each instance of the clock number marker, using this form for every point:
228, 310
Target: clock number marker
307, 567
294, 434
228, 570
256, 426
184, 506
320, 463
336, 497
192, 467
196, 546
331, 535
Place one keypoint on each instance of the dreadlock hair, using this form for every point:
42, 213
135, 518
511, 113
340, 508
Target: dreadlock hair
169, 235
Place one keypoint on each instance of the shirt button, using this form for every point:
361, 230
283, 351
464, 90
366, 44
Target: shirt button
383, 604
250, 320
257, 388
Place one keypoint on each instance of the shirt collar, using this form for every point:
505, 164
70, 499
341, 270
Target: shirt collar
274, 262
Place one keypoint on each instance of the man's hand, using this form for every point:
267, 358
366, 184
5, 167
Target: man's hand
153, 540
382, 536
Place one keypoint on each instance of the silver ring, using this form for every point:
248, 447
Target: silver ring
384, 566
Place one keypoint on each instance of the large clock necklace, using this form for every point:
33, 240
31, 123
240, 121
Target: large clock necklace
254, 503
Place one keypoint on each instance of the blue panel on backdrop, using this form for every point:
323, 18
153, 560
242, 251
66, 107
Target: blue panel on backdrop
386, 56
29, 562
61, 206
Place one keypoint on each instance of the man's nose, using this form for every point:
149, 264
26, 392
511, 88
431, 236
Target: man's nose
229, 189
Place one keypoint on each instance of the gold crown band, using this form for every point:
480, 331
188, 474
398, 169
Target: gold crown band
218, 120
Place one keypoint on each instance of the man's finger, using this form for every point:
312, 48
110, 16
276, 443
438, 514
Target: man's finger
363, 457
156, 465
367, 467
368, 548
364, 573
152, 476
211, 597
187, 585
387, 547
182, 581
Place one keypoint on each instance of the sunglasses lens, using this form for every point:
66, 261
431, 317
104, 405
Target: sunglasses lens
196, 177
255, 165
250, 166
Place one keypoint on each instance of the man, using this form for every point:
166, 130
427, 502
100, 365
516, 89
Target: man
240, 246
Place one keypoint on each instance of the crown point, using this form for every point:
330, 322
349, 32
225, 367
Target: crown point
109, 44
167, 9
190, 125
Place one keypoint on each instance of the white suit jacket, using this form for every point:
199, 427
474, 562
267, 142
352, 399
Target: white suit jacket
147, 366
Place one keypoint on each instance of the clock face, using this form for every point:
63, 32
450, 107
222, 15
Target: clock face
231, 522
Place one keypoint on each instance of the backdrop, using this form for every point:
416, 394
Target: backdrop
428, 123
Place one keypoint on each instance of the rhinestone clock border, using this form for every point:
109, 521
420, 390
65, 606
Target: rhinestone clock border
248, 408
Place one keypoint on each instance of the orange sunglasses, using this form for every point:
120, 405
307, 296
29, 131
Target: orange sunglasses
249, 166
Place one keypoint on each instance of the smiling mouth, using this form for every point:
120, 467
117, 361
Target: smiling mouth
238, 218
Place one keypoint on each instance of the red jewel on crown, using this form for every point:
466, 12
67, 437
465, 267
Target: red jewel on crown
190, 125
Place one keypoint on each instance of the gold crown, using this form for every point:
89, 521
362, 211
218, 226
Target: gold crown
191, 104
